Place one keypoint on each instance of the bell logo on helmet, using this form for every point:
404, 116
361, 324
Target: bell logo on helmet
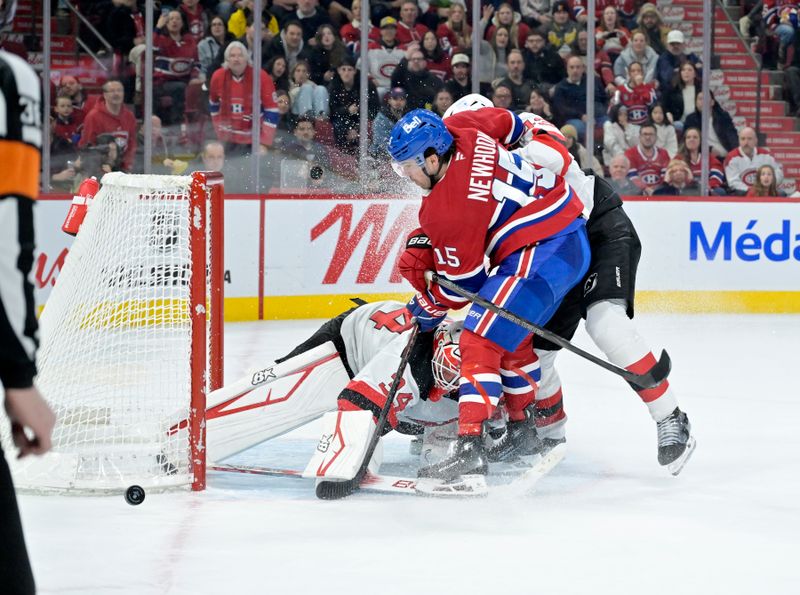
409, 126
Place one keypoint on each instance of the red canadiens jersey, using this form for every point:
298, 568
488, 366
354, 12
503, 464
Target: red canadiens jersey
175, 60
374, 337
647, 172
351, 34
638, 100
716, 175
626, 8
406, 34
196, 21
230, 103
69, 129
121, 126
503, 202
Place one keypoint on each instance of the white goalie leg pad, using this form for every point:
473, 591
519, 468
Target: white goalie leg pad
343, 445
272, 400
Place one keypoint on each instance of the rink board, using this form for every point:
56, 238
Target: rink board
305, 256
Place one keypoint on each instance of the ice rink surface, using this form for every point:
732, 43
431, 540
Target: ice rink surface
608, 520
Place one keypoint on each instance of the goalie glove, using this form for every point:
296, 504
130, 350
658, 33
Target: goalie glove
416, 259
428, 312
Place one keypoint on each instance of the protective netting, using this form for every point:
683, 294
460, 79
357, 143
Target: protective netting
116, 344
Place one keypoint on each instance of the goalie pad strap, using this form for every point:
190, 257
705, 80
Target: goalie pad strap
352, 400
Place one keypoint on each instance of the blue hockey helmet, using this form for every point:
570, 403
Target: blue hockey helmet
415, 133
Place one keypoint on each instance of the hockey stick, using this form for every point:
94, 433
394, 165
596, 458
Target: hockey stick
387, 484
334, 490
524, 479
655, 376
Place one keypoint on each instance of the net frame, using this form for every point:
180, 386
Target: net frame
199, 200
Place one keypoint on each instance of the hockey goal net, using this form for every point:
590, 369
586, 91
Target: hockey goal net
131, 339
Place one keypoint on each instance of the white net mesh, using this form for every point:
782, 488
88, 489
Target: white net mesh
116, 344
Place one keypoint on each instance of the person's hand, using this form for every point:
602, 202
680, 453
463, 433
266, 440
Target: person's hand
352, 108
106, 168
584, 118
648, 190
352, 134
670, 118
30, 414
544, 19
610, 89
488, 10
263, 149
162, 20
416, 259
427, 311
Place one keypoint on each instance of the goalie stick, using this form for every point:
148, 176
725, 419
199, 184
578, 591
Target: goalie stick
334, 490
655, 376
523, 482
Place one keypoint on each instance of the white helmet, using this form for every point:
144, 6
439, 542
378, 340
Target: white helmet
446, 361
471, 102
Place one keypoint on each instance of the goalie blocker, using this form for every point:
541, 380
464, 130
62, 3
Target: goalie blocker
345, 366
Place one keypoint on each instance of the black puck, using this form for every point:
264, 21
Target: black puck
316, 172
134, 495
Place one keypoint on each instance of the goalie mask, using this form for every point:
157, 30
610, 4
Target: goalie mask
446, 362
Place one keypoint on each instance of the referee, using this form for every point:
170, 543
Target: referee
31, 419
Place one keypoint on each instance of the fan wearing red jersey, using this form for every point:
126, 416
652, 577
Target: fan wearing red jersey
648, 162
230, 101
482, 201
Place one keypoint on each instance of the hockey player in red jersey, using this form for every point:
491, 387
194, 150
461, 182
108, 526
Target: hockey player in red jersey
483, 202
605, 298
230, 101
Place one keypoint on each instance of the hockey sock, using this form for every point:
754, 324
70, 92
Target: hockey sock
549, 412
520, 376
615, 334
479, 387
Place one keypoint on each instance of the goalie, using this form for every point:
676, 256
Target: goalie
347, 364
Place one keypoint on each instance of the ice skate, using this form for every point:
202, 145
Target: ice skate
675, 442
519, 440
468, 457
548, 444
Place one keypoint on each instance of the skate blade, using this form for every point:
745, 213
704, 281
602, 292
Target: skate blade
515, 467
465, 486
678, 464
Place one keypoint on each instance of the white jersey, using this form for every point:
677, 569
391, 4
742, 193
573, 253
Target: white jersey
374, 339
544, 150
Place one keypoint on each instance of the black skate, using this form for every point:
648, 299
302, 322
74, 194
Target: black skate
548, 444
468, 457
519, 440
675, 442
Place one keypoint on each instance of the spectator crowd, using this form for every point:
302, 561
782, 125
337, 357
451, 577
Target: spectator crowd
532, 57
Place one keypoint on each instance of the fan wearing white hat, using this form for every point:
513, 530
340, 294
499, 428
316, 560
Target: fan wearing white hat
669, 62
